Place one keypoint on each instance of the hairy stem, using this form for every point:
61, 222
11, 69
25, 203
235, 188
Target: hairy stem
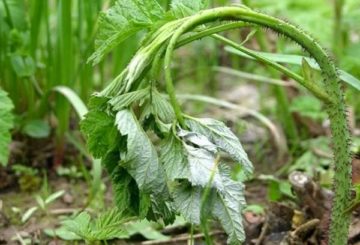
341, 137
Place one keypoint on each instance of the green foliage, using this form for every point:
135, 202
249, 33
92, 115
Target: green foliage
194, 145
297, 60
140, 158
308, 106
126, 18
156, 184
183, 8
6, 124
123, 20
106, 226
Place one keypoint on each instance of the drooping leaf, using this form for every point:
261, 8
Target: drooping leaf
183, 8
173, 157
187, 201
203, 167
141, 159
201, 160
73, 98
223, 138
100, 131
228, 206
161, 210
125, 100
162, 107
6, 124
126, 193
123, 20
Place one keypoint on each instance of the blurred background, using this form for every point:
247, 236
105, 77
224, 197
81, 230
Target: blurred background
44, 47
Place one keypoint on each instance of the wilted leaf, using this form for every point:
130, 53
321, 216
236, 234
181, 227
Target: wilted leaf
173, 157
141, 159
125, 100
228, 208
223, 138
187, 201
162, 107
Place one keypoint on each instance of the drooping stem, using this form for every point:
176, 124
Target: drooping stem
336, 110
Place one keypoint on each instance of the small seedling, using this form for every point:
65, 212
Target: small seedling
43, 205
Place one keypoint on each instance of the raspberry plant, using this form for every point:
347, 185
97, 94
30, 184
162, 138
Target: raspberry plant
131, 113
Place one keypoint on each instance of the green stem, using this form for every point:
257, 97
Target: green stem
341, 137
313, 87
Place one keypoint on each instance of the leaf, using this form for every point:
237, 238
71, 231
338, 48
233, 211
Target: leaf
162, 107
62, 233
183, 8
123, 20
73, 99
203, 168
202, 165
6, 124
349, 79
126, 192
28, 214
223, 138
141, 159
110, 225
37, 129
23, 66
106, 226
79, 225
187, 201
145, 228
161, 210
54, 196
228, 208
172, 155
307, 72
100, 131
308, 106
125, 100
297, 60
